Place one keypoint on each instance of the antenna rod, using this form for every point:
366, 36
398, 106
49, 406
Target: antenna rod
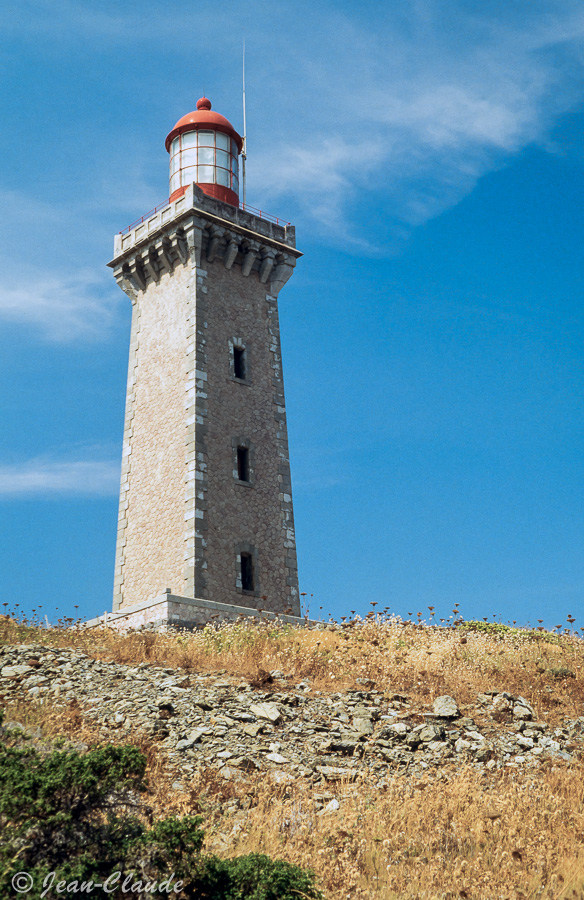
244, 148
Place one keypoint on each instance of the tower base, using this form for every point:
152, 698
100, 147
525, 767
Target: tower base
169, 612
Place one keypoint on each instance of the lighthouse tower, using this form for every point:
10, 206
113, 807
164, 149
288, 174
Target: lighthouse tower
205, 526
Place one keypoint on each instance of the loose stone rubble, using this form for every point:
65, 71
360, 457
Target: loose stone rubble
289, 732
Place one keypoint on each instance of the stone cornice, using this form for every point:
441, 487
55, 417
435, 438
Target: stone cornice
251, 233
199, 229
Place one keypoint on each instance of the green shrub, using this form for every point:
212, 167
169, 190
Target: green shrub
495, 629
257, 877
560, 672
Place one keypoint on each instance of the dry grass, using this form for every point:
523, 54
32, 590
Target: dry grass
463, 834
547, 669
470, 837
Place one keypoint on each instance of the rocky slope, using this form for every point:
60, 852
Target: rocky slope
281, 728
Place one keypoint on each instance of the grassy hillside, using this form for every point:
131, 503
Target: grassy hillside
451, 828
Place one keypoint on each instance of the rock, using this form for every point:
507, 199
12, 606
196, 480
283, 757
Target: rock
335, 773
501, 707
242, 716
14, 671
523, 710
335, 745
247, 763
396, 755
438, 746
267, 711
398, 728
203, 704
345, 747
365, 712
223, 720
279, 777
332, 806
483, 753
234, 719
446, 707
429, 733
191, 739
363, 726
277, 758
252, 730
466, 722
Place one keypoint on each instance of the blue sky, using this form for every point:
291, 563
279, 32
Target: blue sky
430, 154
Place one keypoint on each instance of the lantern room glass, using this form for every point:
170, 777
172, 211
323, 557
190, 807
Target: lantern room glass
204, 157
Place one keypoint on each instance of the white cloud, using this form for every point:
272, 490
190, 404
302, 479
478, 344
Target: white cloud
412, 114
404, 104
43, 477
61, 308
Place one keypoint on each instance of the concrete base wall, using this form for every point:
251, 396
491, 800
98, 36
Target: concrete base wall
171, 612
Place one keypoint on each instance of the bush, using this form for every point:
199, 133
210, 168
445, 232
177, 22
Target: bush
494, 629
560, 672
257, 877
81, 817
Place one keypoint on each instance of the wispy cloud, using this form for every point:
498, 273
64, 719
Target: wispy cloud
60, 308
48, 478
396, 109
413, 114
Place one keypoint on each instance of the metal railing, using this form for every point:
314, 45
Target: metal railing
243, 207
147, 215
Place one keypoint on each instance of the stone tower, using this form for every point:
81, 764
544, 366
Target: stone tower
205, 517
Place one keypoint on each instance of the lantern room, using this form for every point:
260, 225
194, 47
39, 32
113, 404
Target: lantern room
204, 148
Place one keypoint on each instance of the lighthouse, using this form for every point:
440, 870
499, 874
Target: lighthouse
206, 524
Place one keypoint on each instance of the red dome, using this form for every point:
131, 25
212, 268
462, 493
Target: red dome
204, 118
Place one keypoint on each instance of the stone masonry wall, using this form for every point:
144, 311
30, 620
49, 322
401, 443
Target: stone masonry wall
255, 517
154, 534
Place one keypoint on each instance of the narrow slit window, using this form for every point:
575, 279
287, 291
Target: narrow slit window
247, 583
243, 463
239, 362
